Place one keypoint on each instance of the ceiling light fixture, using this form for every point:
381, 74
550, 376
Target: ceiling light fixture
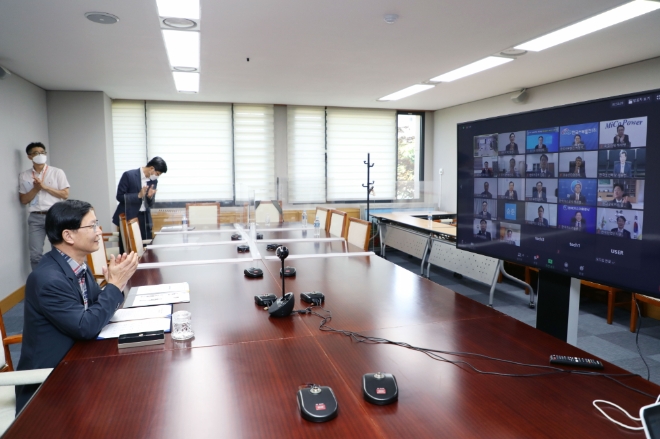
182, 48
390, 18
186, 82
179, 23
593, 24
470, 69
178, 8
408, 91
101, 17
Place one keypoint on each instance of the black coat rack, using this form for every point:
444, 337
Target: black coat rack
369, 185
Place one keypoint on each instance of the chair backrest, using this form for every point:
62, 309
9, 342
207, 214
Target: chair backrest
200, 214
358, 232
266, 208
324, 218
97, 260
338, 221
123, 231
135, 237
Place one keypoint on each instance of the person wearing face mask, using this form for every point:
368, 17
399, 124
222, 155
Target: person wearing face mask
40, 187
136, 194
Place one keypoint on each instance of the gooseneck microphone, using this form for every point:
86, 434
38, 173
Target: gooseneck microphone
283, 306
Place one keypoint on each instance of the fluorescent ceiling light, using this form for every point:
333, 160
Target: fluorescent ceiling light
182, 48
178, 8
186, 82
409, 91
593, 24
471, 69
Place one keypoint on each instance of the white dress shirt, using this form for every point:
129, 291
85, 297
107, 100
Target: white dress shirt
52, 177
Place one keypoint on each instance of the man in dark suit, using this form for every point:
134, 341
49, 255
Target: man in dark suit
63, 301
577, 142
577, 195
578, 167
619, 230
544, 171
511, 194
486, 171
622, 167
621, 138
136, 193
619, 199
482, 233
484, 211
512, 146
512, 171
577, 222
486, 193
538, 193
540, 221
541, 146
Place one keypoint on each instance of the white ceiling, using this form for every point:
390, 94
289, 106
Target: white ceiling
313, 52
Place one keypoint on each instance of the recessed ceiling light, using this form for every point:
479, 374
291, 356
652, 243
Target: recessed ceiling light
179, 23
513, 52
178, 8
593, 24
470, 69
390, 18
186, 82
408, 91
101, 17
184, 69
182, 48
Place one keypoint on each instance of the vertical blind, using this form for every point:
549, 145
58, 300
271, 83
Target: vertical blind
195, 140
306, 154
254, 150
130, 137
351, 134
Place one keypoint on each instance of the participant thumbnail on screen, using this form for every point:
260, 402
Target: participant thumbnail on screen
485, 187
485, 166
509, 233
542, 190
623, 133
578, 191
511, 189
578, 218
541, 214
485, 208
621, 223
579, 137
622, 163
485, 145
511, 166
511, 210
511, 143
622, 193
578, 164
484, 230
542, 140
542, 165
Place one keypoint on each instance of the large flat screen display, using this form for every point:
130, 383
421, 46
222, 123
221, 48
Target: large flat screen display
566, 189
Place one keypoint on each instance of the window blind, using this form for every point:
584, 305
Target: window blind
195, 139
351, 134
254, 150
130, 137
306, 154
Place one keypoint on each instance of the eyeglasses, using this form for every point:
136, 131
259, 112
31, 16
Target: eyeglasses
94, 226
33, 153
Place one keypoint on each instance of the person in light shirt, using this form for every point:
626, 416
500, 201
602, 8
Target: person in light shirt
39, 188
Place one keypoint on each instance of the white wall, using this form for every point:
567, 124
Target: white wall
23, 119
621, 80
80, 130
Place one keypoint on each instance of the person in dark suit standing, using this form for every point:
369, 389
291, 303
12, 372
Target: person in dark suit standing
136, 194
511, 194
622, 168
577, 222
540, 221
484, 211
63, 301
482, 233
619, 230
538, 193
577, 194
621, 138
578, 167
512, 146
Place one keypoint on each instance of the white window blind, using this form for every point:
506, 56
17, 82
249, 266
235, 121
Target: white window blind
195, 140
130, 136
351, 134
254, 150
306, 154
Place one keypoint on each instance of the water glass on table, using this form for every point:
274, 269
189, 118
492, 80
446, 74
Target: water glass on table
182, 326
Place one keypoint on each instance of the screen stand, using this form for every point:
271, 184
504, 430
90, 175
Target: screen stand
558, 304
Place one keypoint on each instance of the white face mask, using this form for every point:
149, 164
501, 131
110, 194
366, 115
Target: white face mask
153, 177
39, 159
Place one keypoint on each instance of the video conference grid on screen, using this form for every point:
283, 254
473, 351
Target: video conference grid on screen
568, 198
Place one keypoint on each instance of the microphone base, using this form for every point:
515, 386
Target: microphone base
282, 306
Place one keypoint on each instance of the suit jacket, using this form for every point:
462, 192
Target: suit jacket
514, 149
625, 170
484, 235
542, 196
485, 194
514, 197
581, 173
544, 223
542, 147
626, 234
128, 188
626, 140
55, 315
541, 173
582, 200
622, 204
582, 224
484, 215
487, 172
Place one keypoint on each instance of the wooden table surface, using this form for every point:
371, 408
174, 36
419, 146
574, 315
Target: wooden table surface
238, 377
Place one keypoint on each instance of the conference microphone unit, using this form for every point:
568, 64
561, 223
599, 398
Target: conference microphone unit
283, 306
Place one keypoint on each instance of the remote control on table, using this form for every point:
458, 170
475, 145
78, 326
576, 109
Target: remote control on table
575, 361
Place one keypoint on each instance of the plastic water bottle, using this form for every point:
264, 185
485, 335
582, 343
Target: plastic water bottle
317, 228
304, 218
184, 223
430, 216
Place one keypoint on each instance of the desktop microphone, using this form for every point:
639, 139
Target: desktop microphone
284, 305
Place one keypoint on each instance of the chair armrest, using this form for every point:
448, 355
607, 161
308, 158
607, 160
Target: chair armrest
23, 377
13, 339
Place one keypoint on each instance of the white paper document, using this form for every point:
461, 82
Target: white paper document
114, 330
163, 288
160, 298
146, 312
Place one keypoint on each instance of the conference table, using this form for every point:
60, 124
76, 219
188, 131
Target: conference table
238, 376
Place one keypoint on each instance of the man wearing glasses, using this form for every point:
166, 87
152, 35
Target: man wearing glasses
40, 187
63, 301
